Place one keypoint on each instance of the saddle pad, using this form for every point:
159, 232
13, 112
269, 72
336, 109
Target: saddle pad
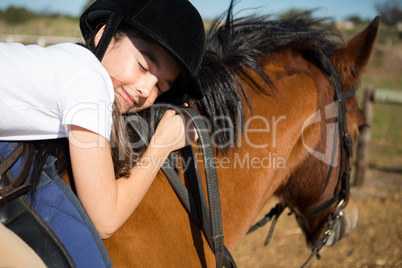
63, 212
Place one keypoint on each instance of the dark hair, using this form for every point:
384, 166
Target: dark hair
122, 153
176, 94
183, 37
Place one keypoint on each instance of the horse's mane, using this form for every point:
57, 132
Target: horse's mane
234, 49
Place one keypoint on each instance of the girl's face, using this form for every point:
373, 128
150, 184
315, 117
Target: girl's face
140, 72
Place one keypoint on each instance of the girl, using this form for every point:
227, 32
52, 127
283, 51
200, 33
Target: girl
136, 52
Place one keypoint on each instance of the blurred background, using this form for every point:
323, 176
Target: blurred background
377, 190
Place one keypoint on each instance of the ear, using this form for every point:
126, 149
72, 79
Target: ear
98, 35
351, 58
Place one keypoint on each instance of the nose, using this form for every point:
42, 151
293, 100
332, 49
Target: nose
145, 85
346, 224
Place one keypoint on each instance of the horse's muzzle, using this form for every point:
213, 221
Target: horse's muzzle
344, 225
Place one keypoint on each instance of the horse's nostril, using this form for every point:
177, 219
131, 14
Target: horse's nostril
344, 225
336, 232
351, 220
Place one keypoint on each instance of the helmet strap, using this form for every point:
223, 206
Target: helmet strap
110, 29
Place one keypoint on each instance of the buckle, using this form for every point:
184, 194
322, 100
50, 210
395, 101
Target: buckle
348, 143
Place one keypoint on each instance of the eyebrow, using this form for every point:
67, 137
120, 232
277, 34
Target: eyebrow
151, 57
156, 62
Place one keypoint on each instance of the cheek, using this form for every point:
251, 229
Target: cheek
121, 103
120, 66
144, 105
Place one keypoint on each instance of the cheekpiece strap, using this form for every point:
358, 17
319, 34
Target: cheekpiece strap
110, 29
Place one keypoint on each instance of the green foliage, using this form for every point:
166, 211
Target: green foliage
295, 12
386, 134
390, 11
355, 19
382, 81
17, 15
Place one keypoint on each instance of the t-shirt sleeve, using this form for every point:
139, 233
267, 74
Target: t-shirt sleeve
86, 101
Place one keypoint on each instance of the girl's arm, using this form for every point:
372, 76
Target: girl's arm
109, 202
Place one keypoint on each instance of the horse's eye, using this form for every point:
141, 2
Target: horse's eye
361, 127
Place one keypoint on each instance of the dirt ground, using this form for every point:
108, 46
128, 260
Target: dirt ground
376, 241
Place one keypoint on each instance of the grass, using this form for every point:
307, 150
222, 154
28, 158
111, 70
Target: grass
61, 26
389, 82
385, 73
385, 149
385, 68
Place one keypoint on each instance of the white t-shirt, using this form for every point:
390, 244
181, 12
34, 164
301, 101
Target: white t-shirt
43, 90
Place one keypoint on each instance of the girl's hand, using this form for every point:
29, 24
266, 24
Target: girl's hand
173, 132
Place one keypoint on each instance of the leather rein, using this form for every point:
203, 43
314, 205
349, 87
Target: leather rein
342, 189
207, 217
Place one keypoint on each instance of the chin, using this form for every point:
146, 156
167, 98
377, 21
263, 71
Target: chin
132, 110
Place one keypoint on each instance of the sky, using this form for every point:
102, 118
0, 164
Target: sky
337, 9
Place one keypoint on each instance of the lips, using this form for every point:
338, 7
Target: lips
130, 100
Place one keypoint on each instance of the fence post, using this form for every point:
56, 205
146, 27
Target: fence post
364, 137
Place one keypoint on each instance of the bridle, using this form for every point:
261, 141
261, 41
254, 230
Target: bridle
340, 196
208, 217
342, 189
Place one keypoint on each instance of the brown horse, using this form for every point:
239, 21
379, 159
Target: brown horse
269, 77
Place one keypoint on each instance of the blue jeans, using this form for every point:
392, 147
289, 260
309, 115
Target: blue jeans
63, 212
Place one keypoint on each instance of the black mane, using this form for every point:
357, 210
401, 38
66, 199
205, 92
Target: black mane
234, 50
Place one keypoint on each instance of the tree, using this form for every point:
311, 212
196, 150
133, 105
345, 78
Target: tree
390, 11
15, 15
355, 19
295, 12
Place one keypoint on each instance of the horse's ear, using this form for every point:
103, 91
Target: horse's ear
351, 58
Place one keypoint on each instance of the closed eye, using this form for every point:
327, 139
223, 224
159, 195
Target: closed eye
159, 89
142, 67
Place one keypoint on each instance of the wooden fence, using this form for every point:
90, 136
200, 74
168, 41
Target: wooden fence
36, 39
371, 96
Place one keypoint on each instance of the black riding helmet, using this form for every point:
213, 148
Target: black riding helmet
173, 24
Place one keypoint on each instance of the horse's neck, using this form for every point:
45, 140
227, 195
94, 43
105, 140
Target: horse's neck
270, 149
